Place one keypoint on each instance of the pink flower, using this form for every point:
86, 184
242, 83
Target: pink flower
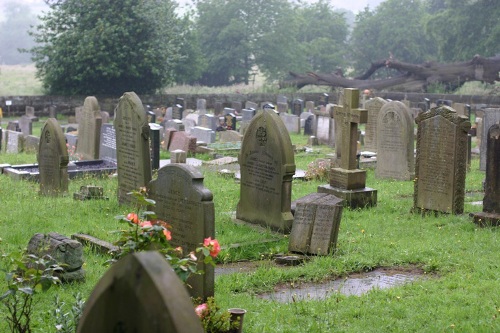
132, 217
212, 245
145, 224
201, 310
167, 233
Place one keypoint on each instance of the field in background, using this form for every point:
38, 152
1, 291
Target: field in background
19, 80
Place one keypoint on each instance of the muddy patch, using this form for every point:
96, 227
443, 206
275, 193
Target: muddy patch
355, 284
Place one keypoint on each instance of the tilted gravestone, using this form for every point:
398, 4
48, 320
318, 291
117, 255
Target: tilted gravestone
491, 116
267, 166
395, 142
373, 107
53, 160
132, 146
183, 202
140, 293
316, 224
490, 216
89, 130
441, 162
346, 181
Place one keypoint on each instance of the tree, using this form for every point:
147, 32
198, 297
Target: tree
463, 28
395, 28
14, 34
106, 46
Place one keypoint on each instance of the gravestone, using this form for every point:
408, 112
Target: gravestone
218, 106
316, 224
13, 125
132, 146
298, 107
25, 125
490, 216
237, 106
177, 112
282, 107
14, 142
203, 134
346, 181
373, 107
230, 136
324, 129
189, 124
251, 105
53, 160
181, 140
105, 117
201, 106
31, 144
178, 156
183, 202
441, 161
30, 113
267, 166
208, 121
292, 122
310, 106
395, 142
177, 124
281, 99
460, 108
89, 130
155, 133
246, 118
309, 125
107, 150
230, 121
491, 116
139, 293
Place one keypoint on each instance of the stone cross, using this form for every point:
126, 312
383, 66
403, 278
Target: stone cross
348, 116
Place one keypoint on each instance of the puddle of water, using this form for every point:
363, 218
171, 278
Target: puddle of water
349, 286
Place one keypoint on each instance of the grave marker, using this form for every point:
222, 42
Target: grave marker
25, 125
183, 202
140, 293
298, 107
89, 130
395, 142
132, 146
491, 116
441, 161
53, 160
373, 107
14, 142
107, 150
267, 166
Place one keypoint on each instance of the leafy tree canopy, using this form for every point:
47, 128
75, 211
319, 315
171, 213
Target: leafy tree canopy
105, 46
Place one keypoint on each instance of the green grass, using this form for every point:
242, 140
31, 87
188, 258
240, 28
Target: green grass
461, 260
19, 80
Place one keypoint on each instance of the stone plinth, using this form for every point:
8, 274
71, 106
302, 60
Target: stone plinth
357, 198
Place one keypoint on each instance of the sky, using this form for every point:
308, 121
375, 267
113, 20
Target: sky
352, 5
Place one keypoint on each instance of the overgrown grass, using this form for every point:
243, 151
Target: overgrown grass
19, 80
462, 260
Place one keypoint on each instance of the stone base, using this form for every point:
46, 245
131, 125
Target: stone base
484, 219
347, 179
359, 198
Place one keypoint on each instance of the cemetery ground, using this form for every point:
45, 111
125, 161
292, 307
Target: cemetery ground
459, 262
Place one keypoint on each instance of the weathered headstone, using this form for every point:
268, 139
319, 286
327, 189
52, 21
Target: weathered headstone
31, 143
89, 130
25, 125
203, 134
184, 203
140, 293
316, 224
267, 166
491, 116
298, 107
373, 107
107, 150
441, 161
218, 106
201, 105
237, 106
310, 106
176, 124
13, 125
30, 113
346, 181
14, 142
132, 146
309, 125
324, 129
181, 140
230, 136
208, 121
178, 156
177, 112
251, 105
395, 142
53, 160
460, 109
282, 107
490, 216
292, 122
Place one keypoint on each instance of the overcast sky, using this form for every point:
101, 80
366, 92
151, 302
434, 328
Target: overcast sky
353, 5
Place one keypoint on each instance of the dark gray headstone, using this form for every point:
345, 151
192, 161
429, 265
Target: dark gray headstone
297, 107
183, 202
154, 144
309, 125
441, 163
267, 166
107, 150
230, 121
491, 202
53, 160
177, 111
203, 134
132, 146
491, 116
140, 293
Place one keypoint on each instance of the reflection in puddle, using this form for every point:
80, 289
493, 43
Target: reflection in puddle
348, 286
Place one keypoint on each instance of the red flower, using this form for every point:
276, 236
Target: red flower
212, 245
132, 217
167, 233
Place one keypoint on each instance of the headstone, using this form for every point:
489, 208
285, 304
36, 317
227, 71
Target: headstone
292, 122
201, 106
230, 136
178, 156
346, 181
13, 126
236, 105
184, 203
189, 124
183, 141
107, 149
251, 105
168, 114
132, 146
281, 99
282, 107
310, 106
324, 129
203, 134
218, 106
490, 216
177, 124
309, 125
324, 99
52, 111
155, 132
89, 130
14, 142
298, 107
230, 121
167, 138
373, 107
31, 143
460, 109
30, 113
25, 125
316, 224
180, 101
441, 161
140, 293
177, 112
267, 166
208, 121
53, 160
105, 117
78, 114
491, 116
395, 142
65, 252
